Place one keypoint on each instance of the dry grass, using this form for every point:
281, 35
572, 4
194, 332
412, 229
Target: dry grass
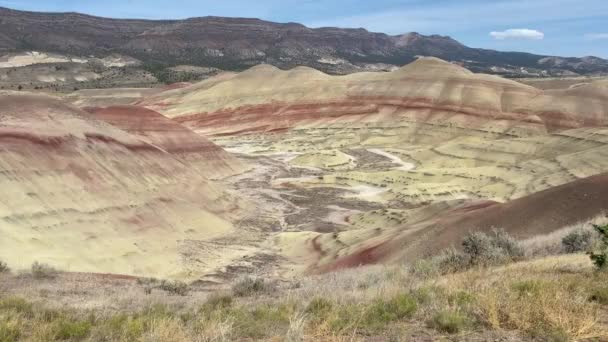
297, 325
551, 244
544, 297
549, 297
556, 298
166, 330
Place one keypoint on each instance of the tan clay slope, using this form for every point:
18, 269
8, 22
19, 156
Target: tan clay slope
105, 97
109, 97
541, 213
211, 160
585, 105
438, 85
265, 98
83, 195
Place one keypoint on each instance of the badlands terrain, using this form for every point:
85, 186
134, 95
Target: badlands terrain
372, 165
298, 170
304, 178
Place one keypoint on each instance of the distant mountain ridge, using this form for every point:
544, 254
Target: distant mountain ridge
238, 43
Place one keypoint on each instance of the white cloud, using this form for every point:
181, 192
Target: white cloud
518, 34
596, 36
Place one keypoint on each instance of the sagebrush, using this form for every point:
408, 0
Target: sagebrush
478, 249
43, 271
250, 286
600, 255
4, 267
580, 240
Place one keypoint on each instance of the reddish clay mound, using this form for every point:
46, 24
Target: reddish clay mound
169, 136
537, 214
153, 127
48, 121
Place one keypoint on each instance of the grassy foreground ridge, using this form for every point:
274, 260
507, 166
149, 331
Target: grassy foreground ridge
497, 294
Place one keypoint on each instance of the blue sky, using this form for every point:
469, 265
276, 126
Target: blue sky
552, 27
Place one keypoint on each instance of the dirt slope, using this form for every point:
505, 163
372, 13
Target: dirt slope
535, 215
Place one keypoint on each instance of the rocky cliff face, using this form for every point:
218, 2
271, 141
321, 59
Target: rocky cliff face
236, 43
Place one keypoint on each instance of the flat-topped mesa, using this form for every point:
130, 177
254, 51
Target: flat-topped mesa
86, 196
238, 43
170, 136
421, 42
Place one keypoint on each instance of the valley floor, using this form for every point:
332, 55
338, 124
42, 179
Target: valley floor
322, 195
284, 208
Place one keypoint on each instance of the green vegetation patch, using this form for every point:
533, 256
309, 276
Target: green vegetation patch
527, 288
261, 321
450, 322
16, 305
600, 295
599, 256
9, 332
383, 312
251, 286
43, 271
66, 329
319, 307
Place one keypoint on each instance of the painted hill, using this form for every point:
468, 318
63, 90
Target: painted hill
86, 196
342, 164
267, 98
209, 159
425, 142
